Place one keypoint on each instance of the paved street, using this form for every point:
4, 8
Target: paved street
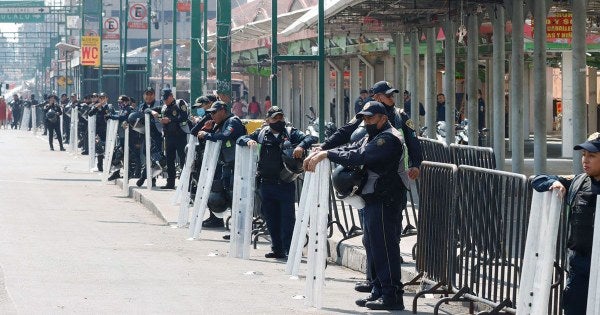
70, 244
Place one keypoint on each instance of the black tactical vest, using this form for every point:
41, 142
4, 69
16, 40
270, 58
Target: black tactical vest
581, 218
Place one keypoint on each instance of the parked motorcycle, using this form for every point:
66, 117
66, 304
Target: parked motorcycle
313, 125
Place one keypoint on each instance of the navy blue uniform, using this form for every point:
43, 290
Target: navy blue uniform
380, 156
175, 133
581, 207
277, 195
53, 125
228, 131
156, 138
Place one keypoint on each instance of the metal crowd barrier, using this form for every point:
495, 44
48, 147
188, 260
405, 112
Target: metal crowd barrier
472, 155
434, 150
479, 235
434, 231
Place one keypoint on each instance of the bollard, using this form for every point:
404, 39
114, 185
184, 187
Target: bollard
205, 180
182, 194
148, 151
92, 141
317, 236
243, 201
109, 147
593, 302
540, 250
126, 163
300, 227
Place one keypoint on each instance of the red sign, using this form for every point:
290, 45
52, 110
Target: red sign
137, 15
559, 26
111, 28
184, 6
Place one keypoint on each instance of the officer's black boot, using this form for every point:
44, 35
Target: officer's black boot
100, 162
213, 222
170, 184
115, 175
140, 181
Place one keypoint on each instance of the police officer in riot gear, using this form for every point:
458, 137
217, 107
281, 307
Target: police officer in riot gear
16, 106
173, 117
52, 114
227, 128
380, 154
156, 139
581, 206
201, 121
101, 110
277, 181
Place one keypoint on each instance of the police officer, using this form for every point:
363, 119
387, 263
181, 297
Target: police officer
157, 158
52, 113
581, 206
381, 156
361, 100
173, 117
83, 109
121, 114
277, 179
33, 103
16, 106
383, 92
227, 128
101, 110
201, 120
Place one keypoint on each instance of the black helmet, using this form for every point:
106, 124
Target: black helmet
358, 134
346, 181
217, 199
52, 116
137, 120
292, 167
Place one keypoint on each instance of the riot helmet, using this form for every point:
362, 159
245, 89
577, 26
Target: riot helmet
346, 181
52, 116
137, 121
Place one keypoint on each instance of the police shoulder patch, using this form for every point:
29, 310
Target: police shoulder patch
174, 113
380, 142
410, 124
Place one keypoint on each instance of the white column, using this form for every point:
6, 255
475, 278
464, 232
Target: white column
592, 116
527, 122
295, 104
286, 95
354, 82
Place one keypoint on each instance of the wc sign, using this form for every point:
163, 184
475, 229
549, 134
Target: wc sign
111, 28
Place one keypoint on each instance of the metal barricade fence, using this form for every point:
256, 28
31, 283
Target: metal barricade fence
434, 150
472, 155
434, 231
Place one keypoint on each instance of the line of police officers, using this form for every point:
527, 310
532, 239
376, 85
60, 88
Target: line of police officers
378, 148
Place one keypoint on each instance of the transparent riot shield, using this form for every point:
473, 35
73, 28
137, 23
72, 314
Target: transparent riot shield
301, 226
34, 124
126, 163
318, 205
593, 300
148, 151
244, 185
25, 118
73, 133
205, 180
182, 194
92, 141
112, 127
540, 250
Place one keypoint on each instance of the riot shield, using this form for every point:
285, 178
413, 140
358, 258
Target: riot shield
126, 164
148, 151
73, 133
25, 118
182, 194
112, 126
92, 141
244, 185
205, 180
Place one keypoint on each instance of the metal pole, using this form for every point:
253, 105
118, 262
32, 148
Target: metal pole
579, 83
121, 63
539, 92
100, 31
196, 51
205, 46
516, 89
174, 50
450, 63
273, 53
399, 68
498, 82
125, 31
430, 82
148, 60
224, 50
472, 66
321, 40
414, 78
162, 45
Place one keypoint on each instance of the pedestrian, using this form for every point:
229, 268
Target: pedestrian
581, 192
238, 108
381, 156
52, 113
254, 109
440, 108
3, 113
227, 128
480, 110
267, 103
280, 158
408, 105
